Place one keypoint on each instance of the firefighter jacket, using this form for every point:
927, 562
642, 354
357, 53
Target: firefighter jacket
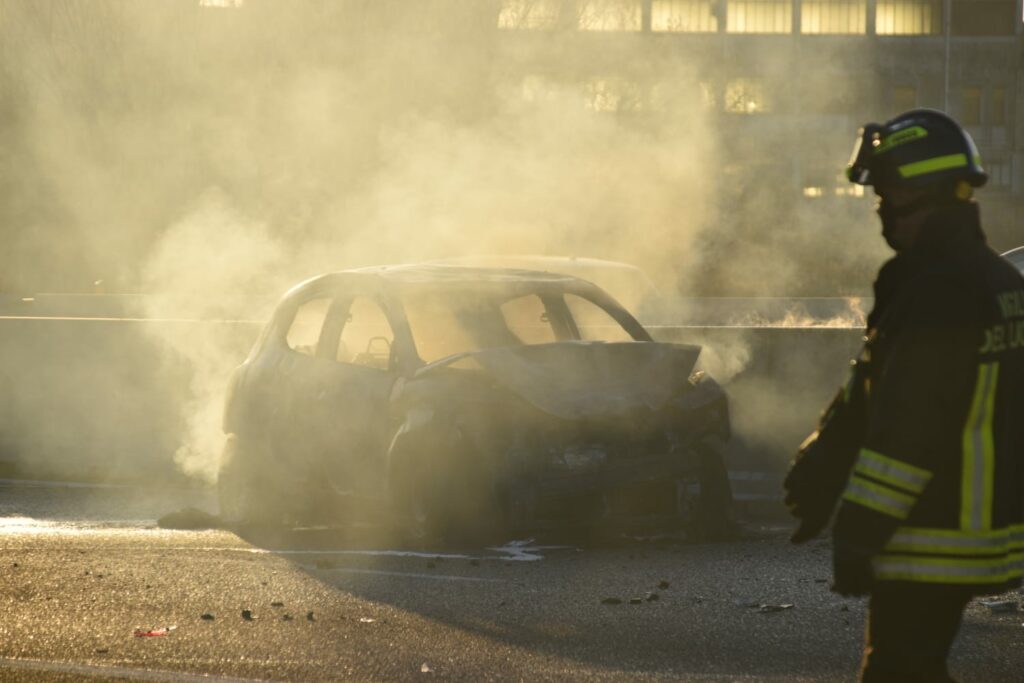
936, 491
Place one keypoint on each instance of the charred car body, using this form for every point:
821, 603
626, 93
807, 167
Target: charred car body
457, 398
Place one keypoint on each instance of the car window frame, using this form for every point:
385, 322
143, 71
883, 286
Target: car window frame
334, 325
289, 312
623, 317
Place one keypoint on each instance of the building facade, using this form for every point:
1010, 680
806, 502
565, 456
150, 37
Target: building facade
787, 82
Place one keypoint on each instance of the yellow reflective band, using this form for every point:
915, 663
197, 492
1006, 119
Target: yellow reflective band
900, 137
891, 471
878, 497
957, 542
941, 570
978, 473
933, 165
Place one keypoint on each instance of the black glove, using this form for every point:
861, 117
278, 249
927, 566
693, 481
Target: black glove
812, 486
818, 474
852, 570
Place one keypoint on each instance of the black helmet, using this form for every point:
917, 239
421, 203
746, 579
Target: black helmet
918, 149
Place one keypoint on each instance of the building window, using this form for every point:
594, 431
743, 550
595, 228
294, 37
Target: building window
613, 94
682, 95
997, 107
984, 17
609, 15
746, 96
529, 14
908, 17
685, 16
834, 16
759, 16
535, 88
904, 98
970, 106
1000, 173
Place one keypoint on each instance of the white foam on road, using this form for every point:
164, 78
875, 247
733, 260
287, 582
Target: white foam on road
31, 526
413, 575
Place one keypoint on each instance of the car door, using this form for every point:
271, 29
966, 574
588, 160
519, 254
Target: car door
348, 406
292, 381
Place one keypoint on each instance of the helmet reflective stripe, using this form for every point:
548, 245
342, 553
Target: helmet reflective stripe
919, 148
933, 165
898, 138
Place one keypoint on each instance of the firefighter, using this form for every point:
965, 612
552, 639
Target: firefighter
926, 441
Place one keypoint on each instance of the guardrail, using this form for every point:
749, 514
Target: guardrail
108, 398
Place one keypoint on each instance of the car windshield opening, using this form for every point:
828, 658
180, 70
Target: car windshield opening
446, 323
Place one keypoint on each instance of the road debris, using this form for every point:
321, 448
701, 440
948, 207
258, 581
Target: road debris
663, 584
425, 668
652, 596
1000, 606
763, 609
286, 617
762, 606
154, 632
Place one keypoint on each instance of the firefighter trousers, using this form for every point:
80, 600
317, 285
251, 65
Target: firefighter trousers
910, 630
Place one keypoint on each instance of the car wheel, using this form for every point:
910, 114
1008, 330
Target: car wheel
432, 509
413, 508
711, 512
242, 492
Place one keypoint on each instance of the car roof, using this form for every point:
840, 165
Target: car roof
444, 273
433, 276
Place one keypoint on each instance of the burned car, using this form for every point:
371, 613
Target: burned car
1016, 257
454, 399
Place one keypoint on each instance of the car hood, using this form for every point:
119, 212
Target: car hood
586, 379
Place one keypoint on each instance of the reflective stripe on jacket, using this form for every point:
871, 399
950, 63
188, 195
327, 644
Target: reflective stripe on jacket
936, 493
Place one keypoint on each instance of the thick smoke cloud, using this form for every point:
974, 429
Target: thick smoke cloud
211, 157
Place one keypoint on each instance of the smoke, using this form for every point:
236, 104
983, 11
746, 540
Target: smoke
211, 157
214, 264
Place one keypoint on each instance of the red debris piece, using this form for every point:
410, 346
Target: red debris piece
139, 633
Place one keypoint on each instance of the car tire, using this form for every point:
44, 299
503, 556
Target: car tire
413, 508
711, 515
242, 492
430, 509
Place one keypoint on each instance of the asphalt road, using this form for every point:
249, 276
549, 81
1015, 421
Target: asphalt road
82, 569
